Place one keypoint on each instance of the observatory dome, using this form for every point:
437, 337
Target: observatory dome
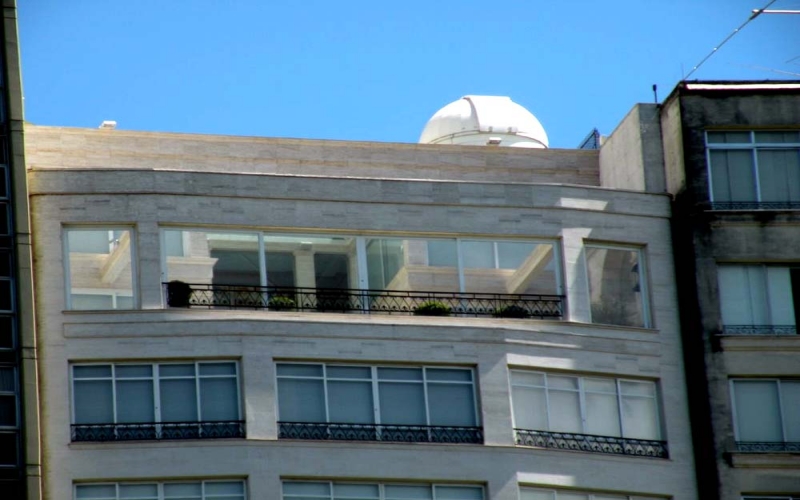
485, 120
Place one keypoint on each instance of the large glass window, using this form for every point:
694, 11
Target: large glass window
8, 397
758, 298
173, 490
99, 268
767, 410
617, 285
548, 494
754, 168
585, 405
386, 395
167, 393
326, 490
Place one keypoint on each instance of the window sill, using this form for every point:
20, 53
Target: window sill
775, 460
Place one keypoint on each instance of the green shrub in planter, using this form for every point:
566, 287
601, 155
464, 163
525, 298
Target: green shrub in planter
178, 294
281, 303
432, 308
511, 312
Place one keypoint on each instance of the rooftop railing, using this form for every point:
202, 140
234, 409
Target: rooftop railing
419, 303
158, 430
590, 443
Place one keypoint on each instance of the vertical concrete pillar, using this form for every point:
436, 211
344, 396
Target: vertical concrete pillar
148, 259
575, 276
495, 401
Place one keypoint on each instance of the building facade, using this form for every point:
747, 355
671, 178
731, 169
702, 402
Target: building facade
732, 155
232, 317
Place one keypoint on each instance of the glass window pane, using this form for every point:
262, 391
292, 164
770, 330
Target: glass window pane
178, 400
640, 418
440, 253
182, 490
99, 267
93, 402
728, 137
217, 368
565, 412
355, 491
92, 371
448, 374
780, 297
280, 269
133, 371
779, 174
285, 369
217, 488
306, 489
632, 388
615, 286
562, 382
530, 408
185, 370
478, 254
138, 491
458, 493
301, 400
353, 372
350, 402
785, 136
400, 373
411, 265
790, 398
517, 267
732, 175
757, 411
531, 494
451, 404
216, 258
135, 401
407, 492
219, 399
96, 491
174, 242
602, 415
8, 410
385, 258
606, 385
402, 403
527, 378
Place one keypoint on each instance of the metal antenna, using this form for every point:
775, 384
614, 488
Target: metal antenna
655, 93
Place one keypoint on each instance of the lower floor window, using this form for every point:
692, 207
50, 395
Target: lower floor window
545, 494
177, 490
326, 490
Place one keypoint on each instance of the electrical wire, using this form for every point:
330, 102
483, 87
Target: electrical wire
723, 42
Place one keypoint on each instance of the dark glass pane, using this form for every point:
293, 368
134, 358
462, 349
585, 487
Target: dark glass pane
5, 264
5, 295
6, 332
8, 448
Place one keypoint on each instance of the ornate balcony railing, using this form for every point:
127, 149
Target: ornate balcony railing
161, 430
755, 205
767, 447
215, 296
590, 443
759, 330
380, 432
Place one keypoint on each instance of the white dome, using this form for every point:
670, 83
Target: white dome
483, 119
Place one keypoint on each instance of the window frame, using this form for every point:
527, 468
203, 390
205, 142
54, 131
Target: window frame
589, 494
763, 266
381, 486
375, 381
131, 229
644, 278
155, 378
732, 386
160, 486
360, 241
751, 146
582, 399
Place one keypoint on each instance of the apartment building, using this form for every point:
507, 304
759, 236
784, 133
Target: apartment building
732, 155
238, 317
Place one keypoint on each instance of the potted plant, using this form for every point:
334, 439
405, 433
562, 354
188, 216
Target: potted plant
179, 294
512, 311
432, 308
281, 303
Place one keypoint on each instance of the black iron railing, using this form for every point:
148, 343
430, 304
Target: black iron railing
755, 205
759, 330
380, 432
162, 430
591, 443
767, 447
191, 295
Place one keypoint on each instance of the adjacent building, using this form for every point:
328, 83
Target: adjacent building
237, 317
732, 155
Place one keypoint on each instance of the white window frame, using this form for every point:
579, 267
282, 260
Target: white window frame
113, 242
375, 382
155, 377
732, 385
589, 495
644, 289
763, 266
582, 398
160, 486
751, 146
361, 253
381, 487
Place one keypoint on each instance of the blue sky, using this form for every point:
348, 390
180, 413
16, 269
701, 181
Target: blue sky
376, 71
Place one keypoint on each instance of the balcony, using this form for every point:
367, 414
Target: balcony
380, 432
759, 330
204, 296
157, 431
593, 444
767, 447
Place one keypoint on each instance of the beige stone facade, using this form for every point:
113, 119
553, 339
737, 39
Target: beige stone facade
146, 183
